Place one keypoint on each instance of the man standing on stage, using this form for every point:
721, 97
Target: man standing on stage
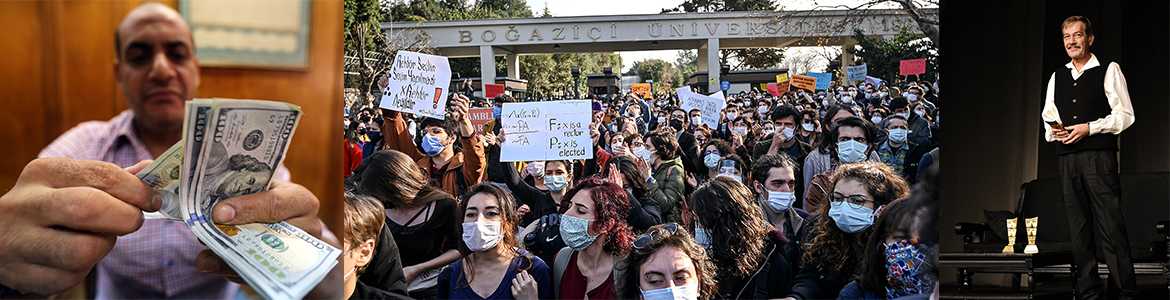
1085, 108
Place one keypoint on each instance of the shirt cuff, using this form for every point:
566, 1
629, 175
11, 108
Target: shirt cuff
1094, 128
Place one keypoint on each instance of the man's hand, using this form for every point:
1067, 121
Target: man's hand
1075, 133
63, 216
488, 139
283, 201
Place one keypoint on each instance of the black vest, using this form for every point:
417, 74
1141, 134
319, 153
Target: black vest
1083, 100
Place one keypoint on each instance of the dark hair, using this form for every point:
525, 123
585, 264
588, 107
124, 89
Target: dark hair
508, 225
739, 166
503, 98
840, 251
664, 142
829, 146
898, 216
1088, 25
764, 164
898, 103
611, 206
896, 117
827, 125
630, 174
392, 177
726, 208
721, 145
449, 126
629, 285
785, 111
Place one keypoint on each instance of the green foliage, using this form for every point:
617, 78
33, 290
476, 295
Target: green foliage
362, 12
687, 64
722, 5
877, 53
664, 74
752, 58
550, 73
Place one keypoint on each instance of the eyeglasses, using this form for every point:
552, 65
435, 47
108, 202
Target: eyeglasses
654, 235
716, 152
855, 201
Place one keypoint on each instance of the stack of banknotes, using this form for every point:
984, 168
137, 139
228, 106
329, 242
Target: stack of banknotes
231, 148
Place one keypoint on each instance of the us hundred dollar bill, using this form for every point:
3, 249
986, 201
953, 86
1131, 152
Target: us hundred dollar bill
164, 176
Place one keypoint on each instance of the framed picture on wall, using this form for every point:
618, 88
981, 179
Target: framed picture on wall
265, 34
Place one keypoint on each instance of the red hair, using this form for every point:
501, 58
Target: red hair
611, 207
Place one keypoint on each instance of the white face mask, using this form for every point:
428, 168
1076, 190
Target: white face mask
661, 119
481, 236
731, 115
779, 202
808, 127
904, 115
789, 133
696, 121
686, 292
920, 113
740, 130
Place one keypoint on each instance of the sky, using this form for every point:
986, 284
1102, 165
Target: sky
572, 8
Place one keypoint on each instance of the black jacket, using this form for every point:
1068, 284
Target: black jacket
384, 273
773, 278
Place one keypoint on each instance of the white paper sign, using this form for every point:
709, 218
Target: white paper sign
857, 73
553, 130
710, 106
418, 84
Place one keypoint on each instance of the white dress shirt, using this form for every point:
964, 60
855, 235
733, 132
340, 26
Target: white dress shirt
1115, 90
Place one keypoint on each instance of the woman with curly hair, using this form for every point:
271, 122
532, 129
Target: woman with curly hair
492, 266
667, 263
708, 159
835, 254
745, 247
593, 225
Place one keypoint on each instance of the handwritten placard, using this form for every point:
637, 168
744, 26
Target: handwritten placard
642, 89
710, 106
418, 84
913, 66
782, 78
554, 130
492, 90
874, 80
857, 73
823, 79
774, 90
479, 117
804, 82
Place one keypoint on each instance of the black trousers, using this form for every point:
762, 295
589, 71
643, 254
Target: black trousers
1092, 195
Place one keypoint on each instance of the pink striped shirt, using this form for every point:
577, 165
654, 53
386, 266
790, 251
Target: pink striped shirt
158, 260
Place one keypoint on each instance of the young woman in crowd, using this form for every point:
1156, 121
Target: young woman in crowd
709, 157
364, 220
493, 267
743, 246
420, 217
747, 137
625, 172
593, 225
809, 130
896, 263
835, 254
353, 150
666, 187
667, 263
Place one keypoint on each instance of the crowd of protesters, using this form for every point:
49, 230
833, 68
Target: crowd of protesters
805, 195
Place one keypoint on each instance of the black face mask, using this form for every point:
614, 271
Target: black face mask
676, 124
361, 131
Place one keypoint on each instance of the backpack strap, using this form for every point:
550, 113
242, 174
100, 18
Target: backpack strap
560, 263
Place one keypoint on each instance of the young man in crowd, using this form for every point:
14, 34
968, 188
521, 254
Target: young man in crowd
898, 152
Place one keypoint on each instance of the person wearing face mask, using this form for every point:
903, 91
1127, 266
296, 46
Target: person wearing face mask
713, 152
593, 226
667, 264
785, 139
626, 172
914, 94
809, 130
836, 251
665, 174
688, 145
493, 266
364, 225
774, 181
695, 117
897, 262
897, 152
918, 127
491, 129
353, 150
852, 143
447, 150
556, 176
745, 249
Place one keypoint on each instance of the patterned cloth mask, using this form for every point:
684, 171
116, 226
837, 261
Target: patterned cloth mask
908, 269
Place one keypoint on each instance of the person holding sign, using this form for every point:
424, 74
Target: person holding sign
448, 152
1085, 107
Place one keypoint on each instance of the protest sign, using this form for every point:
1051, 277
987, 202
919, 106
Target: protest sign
823, 79
857, 73
804, 82
782, 78
773, 89
554, 130
913, 66
874, 80
492, 90
480, 116
418, 84
642, 89
710, 106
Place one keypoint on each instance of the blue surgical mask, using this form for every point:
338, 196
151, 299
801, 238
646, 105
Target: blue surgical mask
648, 155
432, 145
851, 151
780, 201
575, 232
711, 160
898, 135
850, 219
496, 112
556, 183
884, 94
703, 237
686, 292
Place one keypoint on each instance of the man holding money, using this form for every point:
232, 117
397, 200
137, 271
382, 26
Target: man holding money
80, 203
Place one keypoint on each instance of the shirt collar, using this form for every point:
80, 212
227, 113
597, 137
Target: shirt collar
122, 129
1089, 65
